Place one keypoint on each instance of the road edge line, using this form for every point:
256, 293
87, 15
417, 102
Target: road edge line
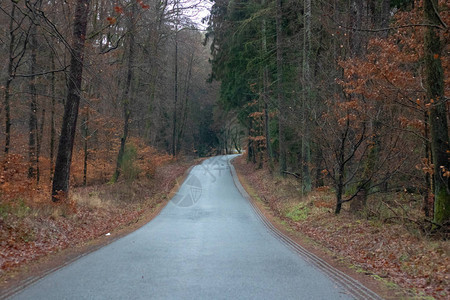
352, 286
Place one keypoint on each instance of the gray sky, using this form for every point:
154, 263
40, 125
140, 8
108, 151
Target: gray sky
202, 11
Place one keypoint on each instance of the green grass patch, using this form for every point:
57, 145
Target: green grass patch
18, 209
298, 212
388, 283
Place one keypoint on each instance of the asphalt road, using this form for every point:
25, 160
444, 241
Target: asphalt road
207, 243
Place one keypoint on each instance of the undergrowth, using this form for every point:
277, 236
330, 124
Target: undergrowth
388, 240
32, 226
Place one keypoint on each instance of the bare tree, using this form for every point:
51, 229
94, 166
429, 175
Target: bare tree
18, 39
127, 95
60, 187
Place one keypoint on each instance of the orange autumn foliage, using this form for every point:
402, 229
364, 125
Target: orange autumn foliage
389, 80
392, 71
15, 184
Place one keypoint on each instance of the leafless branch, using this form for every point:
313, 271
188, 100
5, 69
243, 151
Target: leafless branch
395, 27
41, 73
293, 174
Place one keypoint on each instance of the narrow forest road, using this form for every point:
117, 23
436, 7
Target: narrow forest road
207, 243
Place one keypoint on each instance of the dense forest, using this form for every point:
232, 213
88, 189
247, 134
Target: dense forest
351, 94
94, 82
340, 107
347, 94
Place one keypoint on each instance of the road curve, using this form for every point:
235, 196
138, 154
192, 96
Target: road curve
209, 242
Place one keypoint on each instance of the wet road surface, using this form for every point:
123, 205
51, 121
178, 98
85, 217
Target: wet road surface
207, 243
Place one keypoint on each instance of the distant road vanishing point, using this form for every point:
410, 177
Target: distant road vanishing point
209, 242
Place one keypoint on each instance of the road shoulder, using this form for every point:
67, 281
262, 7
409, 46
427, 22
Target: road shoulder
340, 263
23, 276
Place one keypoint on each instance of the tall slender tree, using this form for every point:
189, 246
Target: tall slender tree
176, 8
127, 93
306, 149
280, 92
18, 40
32, 115
60, 186
265, 85
434, 79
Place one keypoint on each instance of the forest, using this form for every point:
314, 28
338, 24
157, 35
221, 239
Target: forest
347, 94
346, 107
103, 106
106, 100
101, 75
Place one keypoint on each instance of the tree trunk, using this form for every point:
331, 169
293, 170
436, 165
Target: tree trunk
250, 149
360, 200
9, 81
356, 19
280, 96
427, 204
265, 92
39, 136
385, 15
434, 79
318, 163
341, 174
127, 94
306, 149
52, 116
32, 114
153, 45
184, 110
341, 162
175, 96
7, 114
85, 140
339, 191
60, 187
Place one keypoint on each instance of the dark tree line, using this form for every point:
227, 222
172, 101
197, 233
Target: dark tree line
344, 93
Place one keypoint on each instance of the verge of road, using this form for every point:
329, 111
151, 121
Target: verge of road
51, 263
354, 288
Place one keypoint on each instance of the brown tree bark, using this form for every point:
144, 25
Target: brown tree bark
428, 194
9, 80
52, 117
185, 103
434, 81
39, 136
126, 99
85, 143
175, 97
307, 80
265, 90
280, 95
60, 186
32, 115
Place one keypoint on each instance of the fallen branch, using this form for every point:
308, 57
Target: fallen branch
296, 175
404, 219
